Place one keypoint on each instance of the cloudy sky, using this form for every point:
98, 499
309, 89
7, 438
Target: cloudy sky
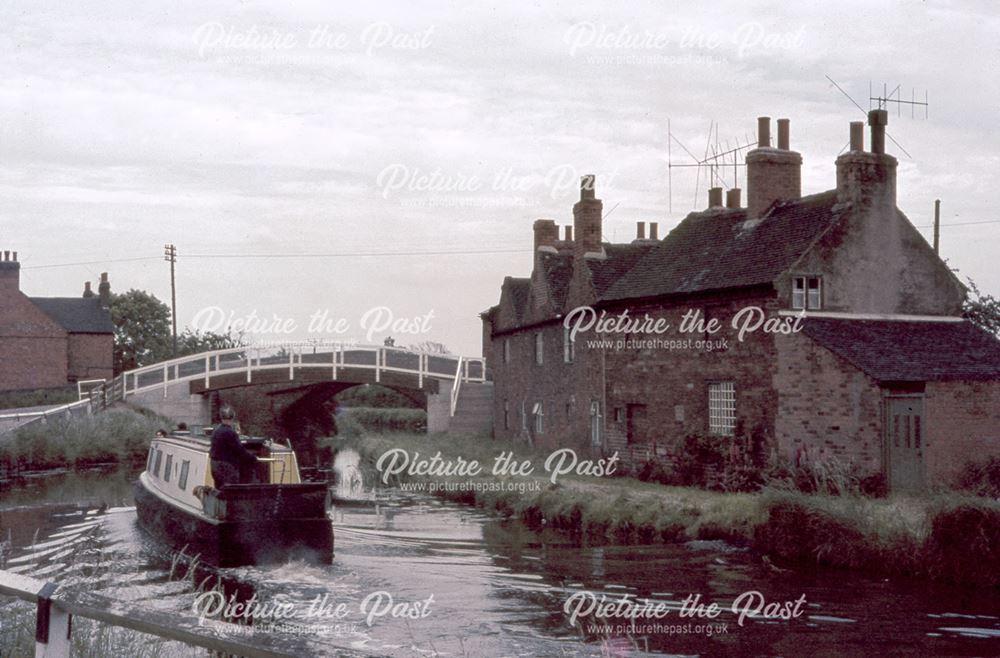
338, 157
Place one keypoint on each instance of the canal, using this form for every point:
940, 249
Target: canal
415, 576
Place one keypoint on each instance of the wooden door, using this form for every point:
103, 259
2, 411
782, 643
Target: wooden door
905, 442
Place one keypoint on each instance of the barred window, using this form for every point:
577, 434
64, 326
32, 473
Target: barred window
722, 408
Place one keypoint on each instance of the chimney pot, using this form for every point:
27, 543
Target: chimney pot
588, 184
654, 231
783, 125
733, 198
640, 230
104, 291
569, 233
857, 136
15, 257
763, 132
6, 255
715, 197
878, 119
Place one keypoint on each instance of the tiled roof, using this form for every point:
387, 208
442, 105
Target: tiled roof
558, 271
78, 315
519, 289
621, 258
893, 350
717, 249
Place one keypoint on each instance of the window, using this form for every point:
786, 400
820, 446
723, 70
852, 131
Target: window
539, 347
538, 411
506, 414
149, 461
506, 350
595, 423
569, 345
167, 468
722, 408
156, 464
619, 415
524, 418
182, 481
807, 292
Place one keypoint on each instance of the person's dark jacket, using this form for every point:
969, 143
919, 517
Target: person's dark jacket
226, 447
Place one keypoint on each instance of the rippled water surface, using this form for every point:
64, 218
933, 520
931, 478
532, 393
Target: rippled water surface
497, 589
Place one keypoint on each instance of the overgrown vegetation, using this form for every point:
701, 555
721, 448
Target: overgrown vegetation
115, 436
355, 421
981, 478
747, 463
951, 537
374, 395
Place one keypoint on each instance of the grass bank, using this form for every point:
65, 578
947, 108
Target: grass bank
952, 538
115, 436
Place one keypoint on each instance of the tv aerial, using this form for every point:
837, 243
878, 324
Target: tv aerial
886, 99
714, 164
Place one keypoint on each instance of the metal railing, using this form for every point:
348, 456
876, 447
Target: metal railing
334, 358
56, 605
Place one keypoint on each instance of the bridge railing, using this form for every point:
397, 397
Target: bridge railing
292, 358
333, 357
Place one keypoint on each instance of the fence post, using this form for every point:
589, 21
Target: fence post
52, 626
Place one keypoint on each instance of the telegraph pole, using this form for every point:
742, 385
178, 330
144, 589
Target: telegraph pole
170, 255
937, 224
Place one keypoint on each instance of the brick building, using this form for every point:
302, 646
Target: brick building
47, 342
868, 359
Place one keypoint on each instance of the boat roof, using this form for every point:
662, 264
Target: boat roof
205, 442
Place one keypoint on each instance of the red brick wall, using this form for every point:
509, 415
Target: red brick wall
673, 383
565, 389
91, 356
963, 425
33, 348
826, 405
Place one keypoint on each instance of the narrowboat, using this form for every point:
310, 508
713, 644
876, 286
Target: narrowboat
276, 518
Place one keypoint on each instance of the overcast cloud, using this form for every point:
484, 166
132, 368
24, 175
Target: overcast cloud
315, 128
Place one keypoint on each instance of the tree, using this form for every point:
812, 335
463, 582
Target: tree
982, 310
142, 329
143, 335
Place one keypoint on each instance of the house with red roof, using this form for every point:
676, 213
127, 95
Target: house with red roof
824, 325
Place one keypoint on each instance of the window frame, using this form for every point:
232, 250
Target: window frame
569, 346
183, 477
156, 463
722, 408
538, 411
168, 467
809, 298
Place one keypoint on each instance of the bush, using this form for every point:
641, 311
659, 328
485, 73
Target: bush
109, 437
964, 544
355, 421
981, 478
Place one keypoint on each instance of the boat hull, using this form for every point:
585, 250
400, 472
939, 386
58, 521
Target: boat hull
237, 541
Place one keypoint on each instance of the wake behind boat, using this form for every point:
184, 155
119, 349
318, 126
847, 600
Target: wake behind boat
239, 524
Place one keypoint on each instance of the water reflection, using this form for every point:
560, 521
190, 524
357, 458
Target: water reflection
498, 589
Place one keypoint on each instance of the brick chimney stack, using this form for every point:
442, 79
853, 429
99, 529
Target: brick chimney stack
10, 273
773, 174
587, 214
867, 178
546, 234
104, 290
87, 292
569, 232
